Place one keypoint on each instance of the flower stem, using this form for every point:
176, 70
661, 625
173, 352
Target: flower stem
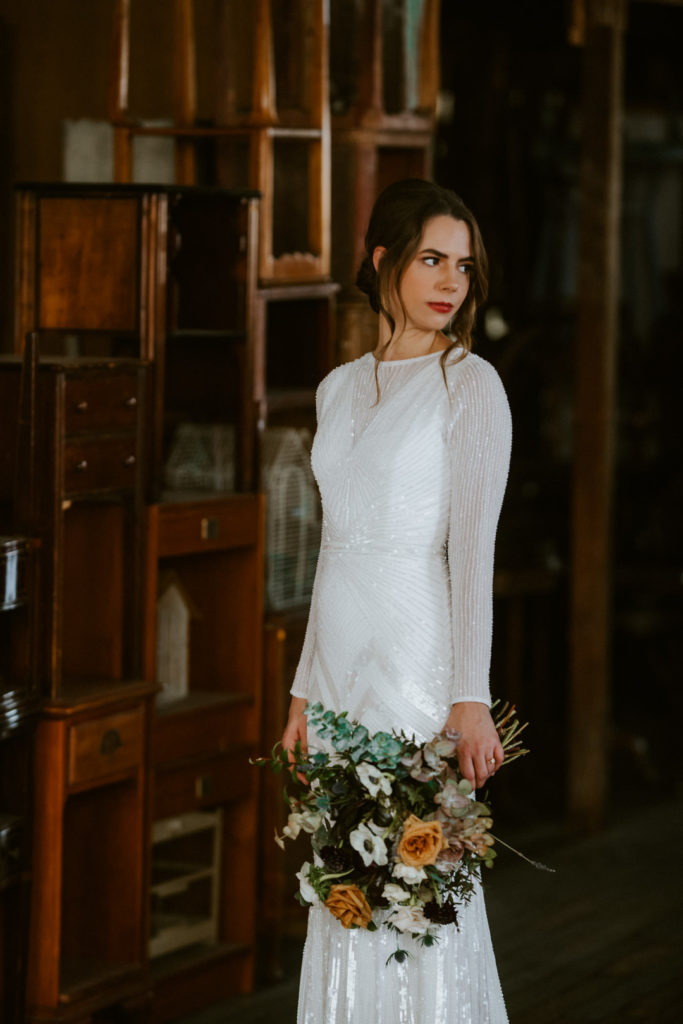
534, 863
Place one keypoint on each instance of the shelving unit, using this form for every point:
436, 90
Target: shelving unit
202, 743
74, 471
169, 278
383, 123
266, 125
185, 886
18, 714
188, 258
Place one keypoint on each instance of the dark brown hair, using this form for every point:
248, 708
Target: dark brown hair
397, 223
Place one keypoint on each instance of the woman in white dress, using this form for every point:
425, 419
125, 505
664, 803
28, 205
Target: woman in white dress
411, 456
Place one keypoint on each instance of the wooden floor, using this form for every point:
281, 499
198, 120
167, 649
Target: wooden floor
598, 940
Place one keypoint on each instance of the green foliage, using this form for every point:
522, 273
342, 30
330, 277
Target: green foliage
354, 802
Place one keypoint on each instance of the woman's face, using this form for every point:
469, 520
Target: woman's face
436, 281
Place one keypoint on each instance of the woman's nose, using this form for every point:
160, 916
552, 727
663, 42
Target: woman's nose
450, 281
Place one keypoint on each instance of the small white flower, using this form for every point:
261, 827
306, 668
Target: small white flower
395, 893
371, 847
373, 779
293, 826
409, 919
310, 820
410, 875
305, 887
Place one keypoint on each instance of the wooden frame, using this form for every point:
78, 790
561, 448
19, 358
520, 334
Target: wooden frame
262, 127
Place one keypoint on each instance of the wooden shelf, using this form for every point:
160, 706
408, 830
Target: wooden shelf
174, 963
290, 398
203, 700
83, 980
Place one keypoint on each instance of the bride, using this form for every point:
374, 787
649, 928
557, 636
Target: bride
411, 456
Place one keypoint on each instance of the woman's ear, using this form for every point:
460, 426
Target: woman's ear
377, 254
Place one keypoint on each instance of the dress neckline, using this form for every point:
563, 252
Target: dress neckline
410, 359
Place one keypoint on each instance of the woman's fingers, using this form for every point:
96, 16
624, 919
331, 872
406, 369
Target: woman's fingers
467, 765
478, 766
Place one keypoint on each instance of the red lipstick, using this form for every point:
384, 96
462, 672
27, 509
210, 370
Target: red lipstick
441, 307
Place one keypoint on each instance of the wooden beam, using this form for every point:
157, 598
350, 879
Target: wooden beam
184, 88
600, 183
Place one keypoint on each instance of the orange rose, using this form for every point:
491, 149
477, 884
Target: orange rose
421, 842
349, 905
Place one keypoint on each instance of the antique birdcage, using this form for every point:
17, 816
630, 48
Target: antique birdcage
293, 517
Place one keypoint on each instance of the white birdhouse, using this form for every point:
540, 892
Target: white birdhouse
175, 611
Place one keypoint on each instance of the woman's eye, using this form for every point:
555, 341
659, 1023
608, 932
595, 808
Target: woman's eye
432, 261
465, 268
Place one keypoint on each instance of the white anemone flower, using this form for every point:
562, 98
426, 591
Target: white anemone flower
409, 919
410, 875
371, 847
311, 820
305, 887
373, 779
395, 893
294, 825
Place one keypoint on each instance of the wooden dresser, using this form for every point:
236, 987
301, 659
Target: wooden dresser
142, 302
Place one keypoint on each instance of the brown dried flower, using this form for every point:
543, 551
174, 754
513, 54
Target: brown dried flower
348, 904
421, 842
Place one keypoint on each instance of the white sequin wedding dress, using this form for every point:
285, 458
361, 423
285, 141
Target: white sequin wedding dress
399, 629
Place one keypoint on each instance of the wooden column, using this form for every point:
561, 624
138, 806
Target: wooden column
118, 92
600, 180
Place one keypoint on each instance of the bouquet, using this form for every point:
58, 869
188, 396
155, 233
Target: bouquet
397, 837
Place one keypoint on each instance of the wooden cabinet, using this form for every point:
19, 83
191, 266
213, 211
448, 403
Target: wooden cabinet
18, 714
263, 124
88, 930
74, 474
162, 274
81, 492
202, 743
135, 348
383, 126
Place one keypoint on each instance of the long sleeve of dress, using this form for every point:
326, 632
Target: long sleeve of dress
300, 686
479, 439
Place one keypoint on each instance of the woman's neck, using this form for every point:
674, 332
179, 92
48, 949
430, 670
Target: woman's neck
408, 343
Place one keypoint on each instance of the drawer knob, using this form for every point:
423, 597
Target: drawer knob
209, 528
82, 406
82, 465
129, 460
131, 402
203, 786
111, 741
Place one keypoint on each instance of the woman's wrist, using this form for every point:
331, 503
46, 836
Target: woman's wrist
297, 707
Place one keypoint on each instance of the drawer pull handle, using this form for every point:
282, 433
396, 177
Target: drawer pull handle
131, 402
209, 528
129, 460
203, 786
82, 406
111, 741
82, 465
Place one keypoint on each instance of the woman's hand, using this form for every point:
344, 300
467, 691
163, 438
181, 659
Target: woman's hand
296, 729
480, 751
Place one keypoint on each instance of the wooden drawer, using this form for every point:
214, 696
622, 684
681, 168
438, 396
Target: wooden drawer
100, 464
208, 526
204, 783
101, 403
104, 746
206, 731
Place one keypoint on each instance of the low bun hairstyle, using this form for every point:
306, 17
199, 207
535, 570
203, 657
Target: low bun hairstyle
397, 223
366, 280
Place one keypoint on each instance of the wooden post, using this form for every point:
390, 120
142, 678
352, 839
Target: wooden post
118, 92
600, 179
185, 89
370, 103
